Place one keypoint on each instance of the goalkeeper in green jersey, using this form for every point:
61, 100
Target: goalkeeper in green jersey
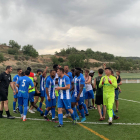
109, 83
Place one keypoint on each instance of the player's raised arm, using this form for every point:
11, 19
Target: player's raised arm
45, 71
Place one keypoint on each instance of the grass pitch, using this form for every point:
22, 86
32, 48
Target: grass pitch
41, 130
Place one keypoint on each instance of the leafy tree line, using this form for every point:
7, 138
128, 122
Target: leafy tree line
77, 58
15, 49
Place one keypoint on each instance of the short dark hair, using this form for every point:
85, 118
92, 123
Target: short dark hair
78, 69
27, 72
72, 70
87, 70
61, 69
54, 66
19, 69
108, 68
51, 71
29, 69
39, 70
100, 71
8, 67
118, 71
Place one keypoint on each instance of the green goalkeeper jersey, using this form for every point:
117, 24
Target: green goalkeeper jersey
107, 87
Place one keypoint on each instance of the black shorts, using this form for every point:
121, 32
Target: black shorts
3, 96
99, 100
36, 94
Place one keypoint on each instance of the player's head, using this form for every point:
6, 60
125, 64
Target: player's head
77, 71
91, 73
52, 73
73, 72
108, 71
66, 69
55, 67
19, 71
9, 69
27, 72
23, 73
29, 69
39, 71
100, 71
118, 72
86, 72
60, 72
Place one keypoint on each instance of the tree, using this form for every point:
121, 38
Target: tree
60, 59
14, 44
76, 60
54, 60
4, 44
30, 51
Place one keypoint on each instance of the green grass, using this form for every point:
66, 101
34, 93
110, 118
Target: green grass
41, 130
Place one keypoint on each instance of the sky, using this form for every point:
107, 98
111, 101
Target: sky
111, 26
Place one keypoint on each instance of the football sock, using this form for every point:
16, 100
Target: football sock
60, 117
14, 105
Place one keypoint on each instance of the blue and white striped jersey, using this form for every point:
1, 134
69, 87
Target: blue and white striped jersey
50, 84
80, 80
15, 79
62, 82
42, 83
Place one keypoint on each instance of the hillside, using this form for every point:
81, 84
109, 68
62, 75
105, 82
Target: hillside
23, 61
72, 57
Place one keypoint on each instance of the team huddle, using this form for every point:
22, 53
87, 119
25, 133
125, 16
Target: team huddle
69, 91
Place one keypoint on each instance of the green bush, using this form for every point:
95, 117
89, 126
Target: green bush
16, 57
27, 57
60, 59
1, 57
13, 51
19, 63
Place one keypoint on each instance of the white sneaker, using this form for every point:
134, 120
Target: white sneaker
69, 115
65, 116
31, 111
34, 110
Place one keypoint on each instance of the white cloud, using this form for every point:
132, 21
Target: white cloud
107, 26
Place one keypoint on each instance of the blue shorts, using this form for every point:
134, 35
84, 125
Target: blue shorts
51, 103
42, 93
64, 103
16, 95
31, 96
116, 94
80, 102
23, 101
89, 94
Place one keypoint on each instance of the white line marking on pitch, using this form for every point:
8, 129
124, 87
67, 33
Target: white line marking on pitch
105, 123
129, 100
